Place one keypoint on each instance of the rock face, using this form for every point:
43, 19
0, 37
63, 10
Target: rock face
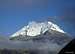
45, 36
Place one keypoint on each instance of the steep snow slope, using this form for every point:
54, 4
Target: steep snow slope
37, 28
46, 37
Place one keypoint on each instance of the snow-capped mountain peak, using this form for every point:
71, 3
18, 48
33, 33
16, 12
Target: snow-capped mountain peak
36, 28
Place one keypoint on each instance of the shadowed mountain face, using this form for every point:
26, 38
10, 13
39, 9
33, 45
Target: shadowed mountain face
53, 36
38, 38
49, 42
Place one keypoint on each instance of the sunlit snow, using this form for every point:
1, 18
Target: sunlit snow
36, 28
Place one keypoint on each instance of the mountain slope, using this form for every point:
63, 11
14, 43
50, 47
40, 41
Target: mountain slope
41, 31
37, 28
54, 37
44, 36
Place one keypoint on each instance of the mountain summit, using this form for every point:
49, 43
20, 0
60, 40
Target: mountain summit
37, 28
44, 37
41, 31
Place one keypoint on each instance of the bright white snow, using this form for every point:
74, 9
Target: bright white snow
36, 28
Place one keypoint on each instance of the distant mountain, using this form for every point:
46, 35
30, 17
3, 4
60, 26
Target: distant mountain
37, 29
45, 36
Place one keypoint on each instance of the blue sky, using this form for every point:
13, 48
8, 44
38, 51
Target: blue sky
14, 14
